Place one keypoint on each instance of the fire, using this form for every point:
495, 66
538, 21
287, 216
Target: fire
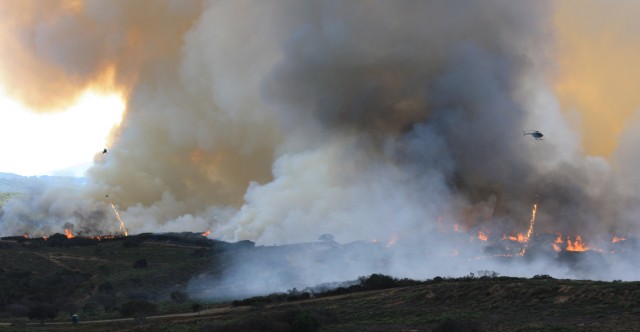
26, 236
122, 228
557, 243
103, 237
520, 238
530, 230
205, 234
576, 245
68, 233
617, 239
482, 236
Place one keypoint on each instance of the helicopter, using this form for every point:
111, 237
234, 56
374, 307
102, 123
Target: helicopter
535, 134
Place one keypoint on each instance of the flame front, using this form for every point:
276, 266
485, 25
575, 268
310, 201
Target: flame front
576, 245
482, 236
68, 233
520, 238
205, 234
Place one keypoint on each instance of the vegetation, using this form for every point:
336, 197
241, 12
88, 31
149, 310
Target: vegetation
42, 312
96, 277
42, 280
139, 310
5, 196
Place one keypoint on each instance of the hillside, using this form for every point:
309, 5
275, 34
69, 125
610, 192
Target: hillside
96, 278
12, 185
20, 184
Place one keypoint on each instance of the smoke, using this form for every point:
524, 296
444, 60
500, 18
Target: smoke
53, 51
277, 122
597, 68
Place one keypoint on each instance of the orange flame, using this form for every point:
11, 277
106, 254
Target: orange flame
122, 228
205, 234
530, 230
482, 236
576, 245
557, 243
617, 239
68, 233
520, 238
26, 236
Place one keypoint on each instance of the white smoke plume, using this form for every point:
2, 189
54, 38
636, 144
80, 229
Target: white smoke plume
279, 121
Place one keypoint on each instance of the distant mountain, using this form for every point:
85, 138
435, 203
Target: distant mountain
14, 183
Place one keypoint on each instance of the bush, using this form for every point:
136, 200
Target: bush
377, 281
179, 296
140, 263
42, 312
138, 309
542, 277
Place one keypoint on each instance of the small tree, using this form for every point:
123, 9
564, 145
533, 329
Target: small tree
377, 281
42, 312
139, 310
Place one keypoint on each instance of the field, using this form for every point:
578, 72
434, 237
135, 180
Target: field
98, 278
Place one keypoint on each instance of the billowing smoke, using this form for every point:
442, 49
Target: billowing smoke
278, 122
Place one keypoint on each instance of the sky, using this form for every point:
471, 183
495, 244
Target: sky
62, 142
278, 122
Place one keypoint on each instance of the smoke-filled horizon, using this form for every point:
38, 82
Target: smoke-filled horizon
278, 122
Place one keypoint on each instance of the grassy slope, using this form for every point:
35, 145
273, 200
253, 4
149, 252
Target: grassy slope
498, 304
5, 196
71, 277
483, 305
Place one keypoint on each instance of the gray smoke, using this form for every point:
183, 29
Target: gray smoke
384, 121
